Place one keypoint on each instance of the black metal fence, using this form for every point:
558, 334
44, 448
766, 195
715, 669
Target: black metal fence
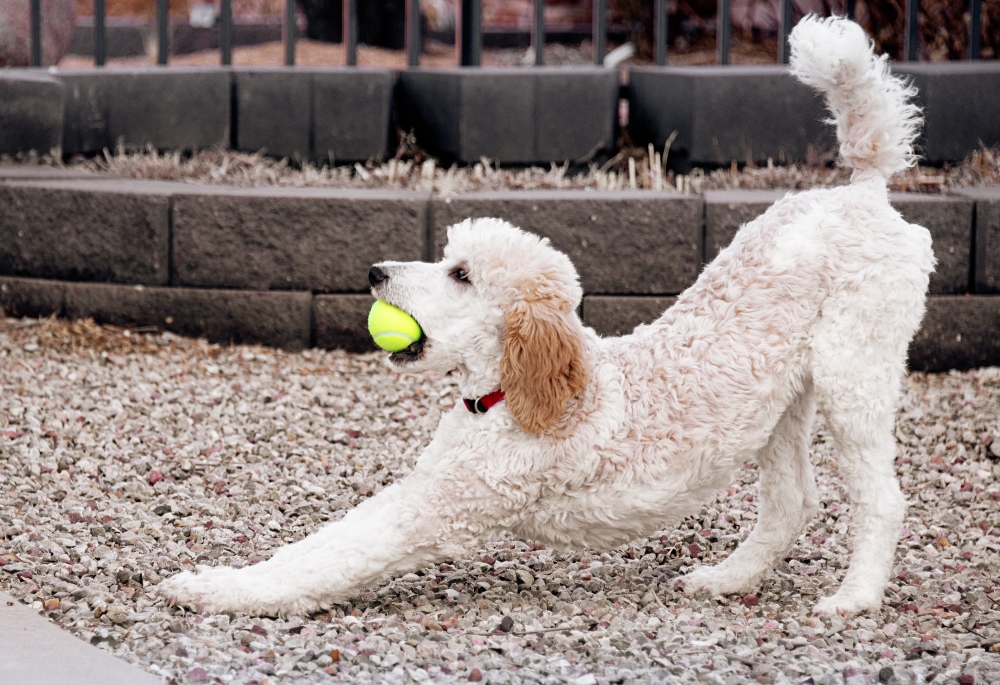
469, 34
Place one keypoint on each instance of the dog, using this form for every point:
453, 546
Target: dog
575, 440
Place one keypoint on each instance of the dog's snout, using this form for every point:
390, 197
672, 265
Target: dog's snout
376, 276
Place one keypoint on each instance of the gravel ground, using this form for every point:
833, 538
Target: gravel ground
126, 456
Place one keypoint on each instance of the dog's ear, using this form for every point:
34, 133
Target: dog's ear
542, 364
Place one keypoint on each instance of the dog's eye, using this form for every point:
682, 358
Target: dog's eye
460, 274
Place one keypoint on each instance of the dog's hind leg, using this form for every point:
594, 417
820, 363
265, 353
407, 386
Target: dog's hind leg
787, 498
857, 386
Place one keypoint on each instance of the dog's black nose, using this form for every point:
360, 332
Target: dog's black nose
376, 276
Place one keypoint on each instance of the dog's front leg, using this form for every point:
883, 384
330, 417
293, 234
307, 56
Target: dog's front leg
405, 527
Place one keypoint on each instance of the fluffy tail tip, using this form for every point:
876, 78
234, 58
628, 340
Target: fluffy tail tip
876, 121
823, 47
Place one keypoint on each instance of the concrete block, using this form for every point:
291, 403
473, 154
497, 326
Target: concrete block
619, 315
341, 322
116, 231
958, 332
323, 114
727, 210
429, 102
949, 219
31, 111
466, 114
293, 238
126, 37
247, 30
540, 115
496, 116
727, 113
352, 114
179, 108
624, 242
123, 37
273, 111
225, 316
987, 237
960, 102
576, 114
31, 297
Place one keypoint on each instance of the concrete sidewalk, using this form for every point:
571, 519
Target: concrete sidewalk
34, 651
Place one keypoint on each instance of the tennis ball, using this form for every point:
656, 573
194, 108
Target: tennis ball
392, 328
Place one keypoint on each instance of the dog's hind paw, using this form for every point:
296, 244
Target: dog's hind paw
716, 580
847, 604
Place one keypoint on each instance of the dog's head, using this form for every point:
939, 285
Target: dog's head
500, 307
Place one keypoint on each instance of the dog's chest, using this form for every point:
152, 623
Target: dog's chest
608, 516
619, 491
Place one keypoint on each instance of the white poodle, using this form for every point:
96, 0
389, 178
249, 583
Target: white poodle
580, 441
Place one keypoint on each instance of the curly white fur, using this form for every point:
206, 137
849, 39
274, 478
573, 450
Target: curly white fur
600, 440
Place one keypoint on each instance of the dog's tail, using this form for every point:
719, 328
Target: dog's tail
876, 121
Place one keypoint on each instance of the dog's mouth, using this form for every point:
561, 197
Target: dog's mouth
411, 354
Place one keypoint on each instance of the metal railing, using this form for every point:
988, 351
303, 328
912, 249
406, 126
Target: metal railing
469, 31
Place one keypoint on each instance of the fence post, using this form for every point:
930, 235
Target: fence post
289, 32
226, 32
100, 37
660, 25
538, 31
912, 37
162, 28
36, 33
599, 31
350, 32
470, 42
784, 28
414, 21
975, 28
723, 27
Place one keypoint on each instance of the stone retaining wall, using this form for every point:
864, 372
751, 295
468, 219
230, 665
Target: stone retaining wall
288, 266
539, 115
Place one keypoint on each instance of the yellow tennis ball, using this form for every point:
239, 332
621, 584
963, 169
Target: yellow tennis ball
392, 328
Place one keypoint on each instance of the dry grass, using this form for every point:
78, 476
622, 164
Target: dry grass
632, 168
81, 337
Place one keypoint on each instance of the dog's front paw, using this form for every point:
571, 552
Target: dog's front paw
200, 591
716, 581
221, 589
180, 590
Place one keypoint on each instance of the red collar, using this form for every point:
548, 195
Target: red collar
483, 404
